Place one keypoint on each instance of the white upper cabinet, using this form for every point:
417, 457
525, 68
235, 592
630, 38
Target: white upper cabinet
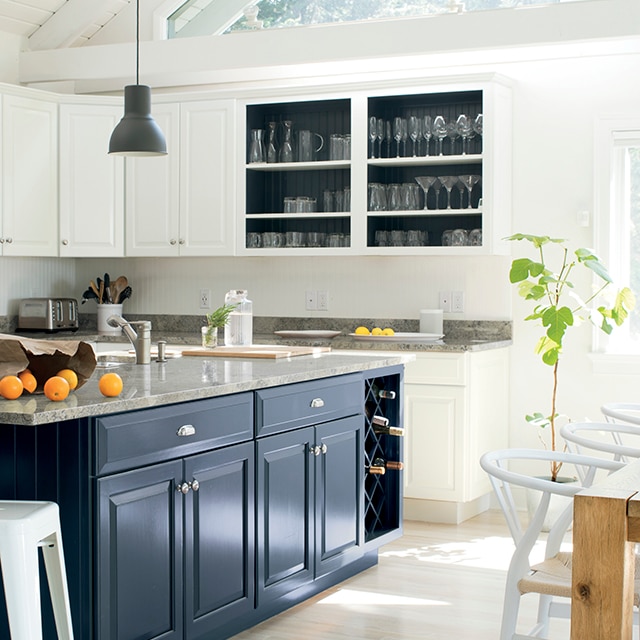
368, 199
183, 204
91, 182
29, 183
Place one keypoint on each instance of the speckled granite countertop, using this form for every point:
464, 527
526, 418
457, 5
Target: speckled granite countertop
186, 379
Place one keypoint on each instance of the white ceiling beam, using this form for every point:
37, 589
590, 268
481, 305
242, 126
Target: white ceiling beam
164, 64
67, 24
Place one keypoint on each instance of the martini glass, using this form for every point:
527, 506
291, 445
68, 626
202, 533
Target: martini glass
448, 182
461, 189
426, 182
440, 132
469, 182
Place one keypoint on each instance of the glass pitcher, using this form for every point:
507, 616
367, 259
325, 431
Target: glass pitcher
256, 148
272, 153
286, 150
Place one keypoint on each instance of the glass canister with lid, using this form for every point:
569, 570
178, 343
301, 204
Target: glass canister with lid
238, 331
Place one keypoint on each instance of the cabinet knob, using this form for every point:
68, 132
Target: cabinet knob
186, 430
195, 485
183, 488
314, 450
172, 241
9, 240
323, 448
317, 402
181, 241
1, 240
65, 242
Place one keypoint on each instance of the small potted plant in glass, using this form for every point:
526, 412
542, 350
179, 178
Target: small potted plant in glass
215, 320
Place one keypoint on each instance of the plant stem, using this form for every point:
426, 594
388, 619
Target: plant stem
555, 466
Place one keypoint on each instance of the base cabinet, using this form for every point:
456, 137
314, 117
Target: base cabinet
310, 505
456, 409
174, 564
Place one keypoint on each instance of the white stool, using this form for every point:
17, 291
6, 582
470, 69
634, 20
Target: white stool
25, 526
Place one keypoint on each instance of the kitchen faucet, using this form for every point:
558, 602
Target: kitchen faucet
141, 340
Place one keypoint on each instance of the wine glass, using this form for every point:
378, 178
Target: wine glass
413, 126
405, 136
465, 128
373, 135
448, 182
388, 136
439, 131
380, 132
469, 182
427, 131
397, 133
453, 134
478, 124
426, 182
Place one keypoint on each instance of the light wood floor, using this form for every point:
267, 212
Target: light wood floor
437, 582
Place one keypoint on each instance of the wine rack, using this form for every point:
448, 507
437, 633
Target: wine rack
382, 492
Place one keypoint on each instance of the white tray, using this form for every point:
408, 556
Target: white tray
401, 337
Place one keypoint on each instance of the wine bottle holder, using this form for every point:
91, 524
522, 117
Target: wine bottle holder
382, 492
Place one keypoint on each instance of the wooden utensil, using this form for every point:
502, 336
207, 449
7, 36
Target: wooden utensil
117, 287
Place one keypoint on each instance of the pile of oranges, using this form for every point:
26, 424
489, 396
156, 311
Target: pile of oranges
56, 388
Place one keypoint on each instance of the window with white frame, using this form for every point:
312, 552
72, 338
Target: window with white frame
617, 219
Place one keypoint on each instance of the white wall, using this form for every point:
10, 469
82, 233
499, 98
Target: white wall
10, 46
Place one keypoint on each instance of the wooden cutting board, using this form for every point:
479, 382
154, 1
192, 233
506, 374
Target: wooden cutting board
255, 351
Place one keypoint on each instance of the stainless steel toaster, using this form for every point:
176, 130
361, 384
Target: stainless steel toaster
48, 314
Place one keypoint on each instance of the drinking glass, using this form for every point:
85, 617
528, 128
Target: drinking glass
459, 238
453, 134
328, 201
448, 182
469, 182
380, 132
382, 238
394, 197
377, 197
426, 182
478, 124
427, 131
409, 196
256, 149
446, 237
465, 128
413, 126
397, 133
286, 150
439, 131
316, 239
398, 238
475, 237
373, 135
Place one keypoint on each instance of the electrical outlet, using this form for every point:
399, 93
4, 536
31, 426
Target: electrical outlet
311, 303
445, 301
457, 301
205, 298
323, 301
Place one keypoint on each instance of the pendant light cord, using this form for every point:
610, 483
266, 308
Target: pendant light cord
137, 41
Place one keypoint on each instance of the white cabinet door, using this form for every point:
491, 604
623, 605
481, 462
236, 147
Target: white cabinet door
153, 196
91, 182
207, 163
29, 177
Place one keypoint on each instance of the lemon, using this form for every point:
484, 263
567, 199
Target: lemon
388, 331
376, 331
362, 331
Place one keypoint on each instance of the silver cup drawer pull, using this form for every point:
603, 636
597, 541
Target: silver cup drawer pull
317, 403
186, 430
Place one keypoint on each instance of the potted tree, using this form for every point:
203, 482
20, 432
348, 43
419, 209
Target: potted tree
215, 320
557, 307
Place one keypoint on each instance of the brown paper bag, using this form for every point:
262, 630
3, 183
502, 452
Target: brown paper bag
44, 358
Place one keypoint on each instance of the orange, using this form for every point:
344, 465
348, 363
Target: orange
110, 385
56, 388
11, 387
28, 380
70, 376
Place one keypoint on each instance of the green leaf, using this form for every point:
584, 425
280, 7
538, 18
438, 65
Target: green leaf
591, 261
521, 268
538, 420
624, 303
557, 321
536, 241
548, 349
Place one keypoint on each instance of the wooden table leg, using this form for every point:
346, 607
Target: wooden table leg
603, 567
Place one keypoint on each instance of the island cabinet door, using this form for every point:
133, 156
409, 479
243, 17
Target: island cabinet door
219, 538
339, 475
284, 511
139, 555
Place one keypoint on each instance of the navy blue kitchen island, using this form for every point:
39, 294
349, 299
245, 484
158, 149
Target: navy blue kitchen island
213, 493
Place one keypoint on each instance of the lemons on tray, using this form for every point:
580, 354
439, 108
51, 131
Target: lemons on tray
362, 331
388, 331
376, 331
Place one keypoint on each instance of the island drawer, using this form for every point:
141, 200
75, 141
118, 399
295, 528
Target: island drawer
137, 438
306, 403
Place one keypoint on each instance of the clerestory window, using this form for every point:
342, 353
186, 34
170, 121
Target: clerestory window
212, 17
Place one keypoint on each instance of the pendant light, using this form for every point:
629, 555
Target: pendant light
137, 134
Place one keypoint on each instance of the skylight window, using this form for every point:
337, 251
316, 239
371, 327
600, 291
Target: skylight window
208, 17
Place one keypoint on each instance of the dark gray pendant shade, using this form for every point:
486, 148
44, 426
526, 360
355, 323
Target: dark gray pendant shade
137, 134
